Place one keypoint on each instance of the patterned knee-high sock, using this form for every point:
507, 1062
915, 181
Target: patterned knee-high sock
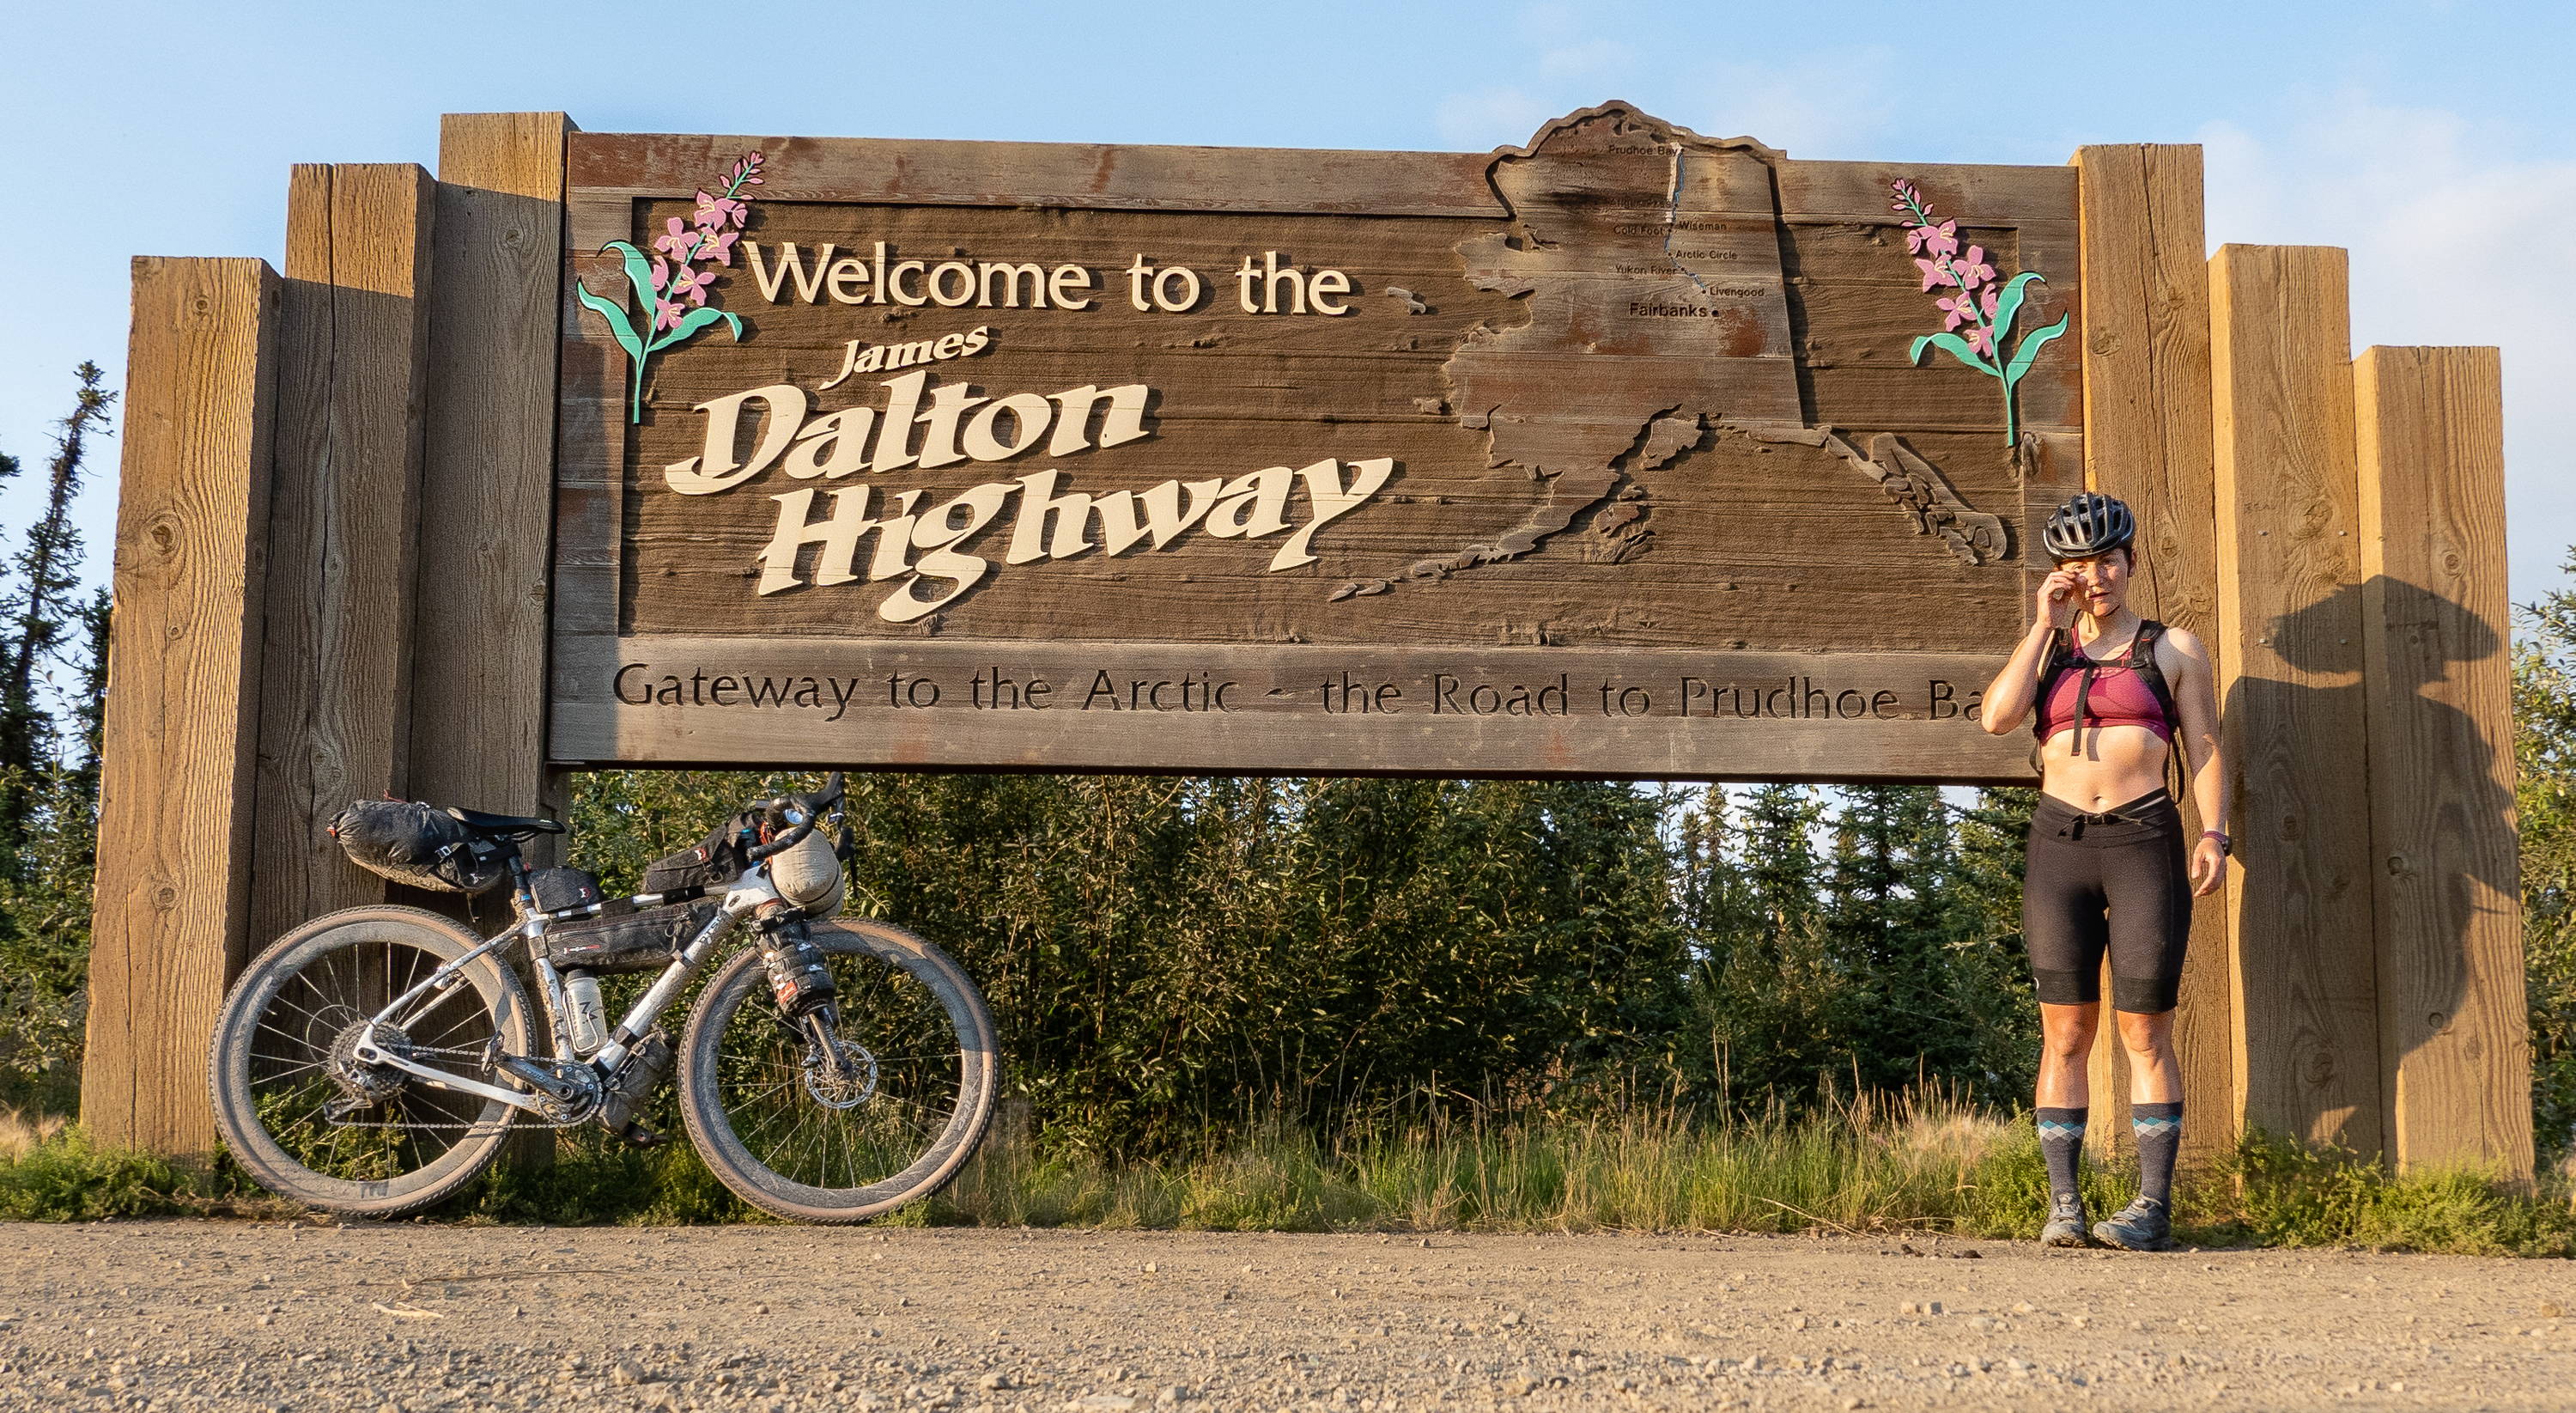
2159, 1131
2061, 1142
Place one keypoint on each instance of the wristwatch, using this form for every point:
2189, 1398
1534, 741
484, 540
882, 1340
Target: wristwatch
2226, 846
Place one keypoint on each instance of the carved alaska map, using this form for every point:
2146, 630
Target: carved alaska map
1645, 246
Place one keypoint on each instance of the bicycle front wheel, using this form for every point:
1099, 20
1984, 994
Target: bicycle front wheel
908, 1108
312, 1122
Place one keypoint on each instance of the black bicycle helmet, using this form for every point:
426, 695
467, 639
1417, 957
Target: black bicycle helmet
2088, 525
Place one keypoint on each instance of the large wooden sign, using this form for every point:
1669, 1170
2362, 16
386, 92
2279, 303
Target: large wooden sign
1611, 455
1629, 452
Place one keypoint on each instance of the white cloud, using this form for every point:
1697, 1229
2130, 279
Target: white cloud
1833, 107
2450, 245
1490, 117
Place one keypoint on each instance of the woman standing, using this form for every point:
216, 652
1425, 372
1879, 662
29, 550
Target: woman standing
2109, 868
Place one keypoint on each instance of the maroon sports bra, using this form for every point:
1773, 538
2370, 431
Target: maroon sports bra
2129, 690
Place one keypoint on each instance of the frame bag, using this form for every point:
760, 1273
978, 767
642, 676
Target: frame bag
639, 941
418, 844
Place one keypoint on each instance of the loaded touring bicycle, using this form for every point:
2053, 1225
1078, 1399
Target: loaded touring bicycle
375, 1060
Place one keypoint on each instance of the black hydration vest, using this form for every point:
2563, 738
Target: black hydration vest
2065, 657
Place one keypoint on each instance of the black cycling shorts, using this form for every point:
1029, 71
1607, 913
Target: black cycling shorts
2114, 881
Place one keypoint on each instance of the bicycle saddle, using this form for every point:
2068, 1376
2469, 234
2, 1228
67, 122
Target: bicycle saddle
502, 824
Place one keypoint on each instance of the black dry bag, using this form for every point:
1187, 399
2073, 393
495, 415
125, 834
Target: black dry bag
410, 842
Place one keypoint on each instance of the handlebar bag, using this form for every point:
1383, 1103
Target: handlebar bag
713, 861
419, 844
637, 941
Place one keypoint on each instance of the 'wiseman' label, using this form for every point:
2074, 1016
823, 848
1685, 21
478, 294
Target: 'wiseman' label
865, 534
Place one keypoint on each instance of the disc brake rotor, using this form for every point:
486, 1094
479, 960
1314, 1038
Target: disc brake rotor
853, 1086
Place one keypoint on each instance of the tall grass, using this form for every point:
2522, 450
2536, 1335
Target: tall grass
1869, 1166
1873, 1166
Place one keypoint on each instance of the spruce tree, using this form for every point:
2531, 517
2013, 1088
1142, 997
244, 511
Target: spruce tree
42, 605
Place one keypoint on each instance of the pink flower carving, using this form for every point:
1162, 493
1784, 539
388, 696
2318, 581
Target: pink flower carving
714, 213
691, 283
1935, 241
1961, 309
1982, 339
666, 315
678, 241
1935, 275
719, 247
1973, 271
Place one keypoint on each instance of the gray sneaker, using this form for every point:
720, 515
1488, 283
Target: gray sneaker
2065, 1224
2143, 1225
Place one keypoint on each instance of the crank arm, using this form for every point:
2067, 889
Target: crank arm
368, 1053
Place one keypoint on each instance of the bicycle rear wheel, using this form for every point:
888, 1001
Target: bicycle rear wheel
312, 1123
917, 1097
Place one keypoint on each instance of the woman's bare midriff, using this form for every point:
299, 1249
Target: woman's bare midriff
2117, 764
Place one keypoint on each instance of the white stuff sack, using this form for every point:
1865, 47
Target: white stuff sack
809, 876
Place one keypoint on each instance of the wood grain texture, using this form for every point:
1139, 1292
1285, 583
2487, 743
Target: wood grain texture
1818, 715
1103, 176
487, 487
168, 926
335, 670
2454, 1037
1557, 304
2295, 720
2147, 440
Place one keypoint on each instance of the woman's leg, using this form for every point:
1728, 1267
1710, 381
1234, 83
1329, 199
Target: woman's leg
2065, 1047
2155, 1076
2150, 897
2066, 1052
2065, 933
2155, 1100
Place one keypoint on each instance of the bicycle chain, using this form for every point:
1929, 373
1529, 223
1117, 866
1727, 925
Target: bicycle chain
530, 1121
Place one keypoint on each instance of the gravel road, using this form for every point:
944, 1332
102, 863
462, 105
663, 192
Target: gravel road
241, 1315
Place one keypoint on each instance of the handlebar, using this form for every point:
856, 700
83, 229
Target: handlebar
799, 813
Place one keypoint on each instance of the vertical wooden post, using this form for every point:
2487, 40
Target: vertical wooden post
335, 673
2455, 1048
168, 925
487, 485
2294, 717
2147, 440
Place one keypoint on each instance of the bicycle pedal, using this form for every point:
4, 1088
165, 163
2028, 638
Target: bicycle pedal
638, 1136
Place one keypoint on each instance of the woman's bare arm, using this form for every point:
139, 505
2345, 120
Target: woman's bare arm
2185, 660
2015, 690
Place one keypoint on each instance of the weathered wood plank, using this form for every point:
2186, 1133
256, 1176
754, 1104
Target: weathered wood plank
168, 926
1691, 714
487, 488
2454, 1039
2295, 718
335, 671
2147, 440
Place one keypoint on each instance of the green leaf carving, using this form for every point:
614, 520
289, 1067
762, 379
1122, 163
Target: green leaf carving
639, 273
2008, 303
619, 326
693, 321
1957, 348
2029, 350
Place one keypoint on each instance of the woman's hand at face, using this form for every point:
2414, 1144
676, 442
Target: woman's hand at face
2059, 593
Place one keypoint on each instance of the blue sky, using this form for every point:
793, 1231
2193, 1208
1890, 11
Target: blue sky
2433, 139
